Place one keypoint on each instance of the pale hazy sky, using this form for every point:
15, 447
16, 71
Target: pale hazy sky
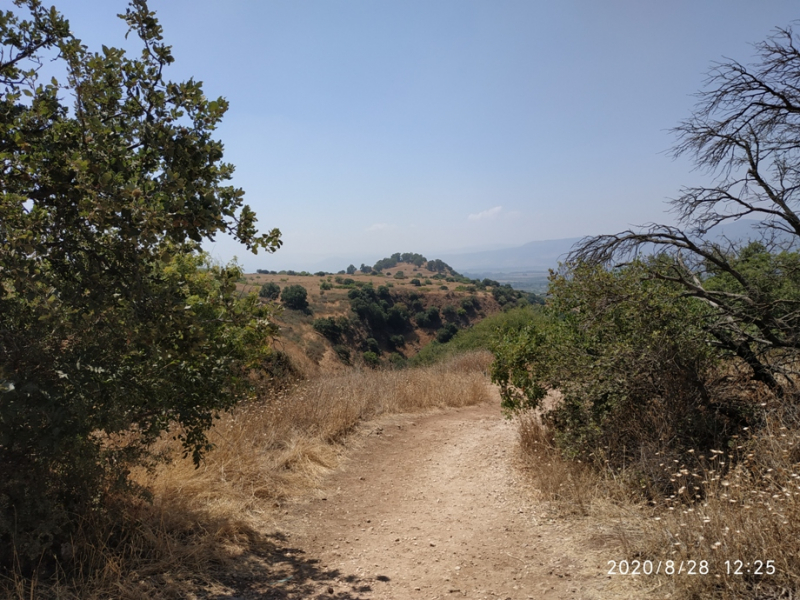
363, 128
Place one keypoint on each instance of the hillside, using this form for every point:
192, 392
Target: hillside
378, 318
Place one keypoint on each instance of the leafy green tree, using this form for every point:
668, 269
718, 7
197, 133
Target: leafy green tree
446, 333
372, 346
631, 358
415, 282
351, 270
112, 324
270, 290
295, 297
745, 131
449, 312
397, 318
329, 328
371, 359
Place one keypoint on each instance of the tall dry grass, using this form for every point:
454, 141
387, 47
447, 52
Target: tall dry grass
735, 508
208, 525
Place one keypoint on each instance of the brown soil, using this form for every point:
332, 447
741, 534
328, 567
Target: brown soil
433, 506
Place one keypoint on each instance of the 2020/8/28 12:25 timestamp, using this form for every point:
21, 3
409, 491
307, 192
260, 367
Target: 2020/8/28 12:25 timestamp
689, 567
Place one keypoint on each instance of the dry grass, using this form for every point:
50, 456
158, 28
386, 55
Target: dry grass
206, 527
735, 508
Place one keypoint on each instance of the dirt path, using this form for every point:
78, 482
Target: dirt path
431, 507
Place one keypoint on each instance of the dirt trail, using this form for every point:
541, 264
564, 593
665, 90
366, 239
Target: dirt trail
430, 506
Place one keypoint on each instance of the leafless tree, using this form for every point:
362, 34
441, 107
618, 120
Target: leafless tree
745, 133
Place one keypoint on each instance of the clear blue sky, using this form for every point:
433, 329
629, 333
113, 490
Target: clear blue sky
366, 127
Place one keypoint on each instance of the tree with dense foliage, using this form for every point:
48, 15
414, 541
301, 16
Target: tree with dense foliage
351, 270
667, 339
329, 328
446, 333
270, 291
113, 326
371, 359
745, 131
295, 297
630, 357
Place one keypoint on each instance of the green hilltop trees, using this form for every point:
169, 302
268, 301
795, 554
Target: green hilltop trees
111, 320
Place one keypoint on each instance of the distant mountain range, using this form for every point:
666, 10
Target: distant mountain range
540, 256
533, 256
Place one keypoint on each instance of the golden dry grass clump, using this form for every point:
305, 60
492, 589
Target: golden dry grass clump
201, 520
736, 508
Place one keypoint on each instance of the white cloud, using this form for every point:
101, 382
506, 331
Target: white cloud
377, 227
486, 214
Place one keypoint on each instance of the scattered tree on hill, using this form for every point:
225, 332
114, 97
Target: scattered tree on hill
295, 297
329, 328
270, 291
440, 267
449, 312
111, 320
371, 359
351, 270
446, 333
428, 318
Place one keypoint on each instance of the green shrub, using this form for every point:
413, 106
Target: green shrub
429, 318
372, 346
397, 318
477, 337
343, 352
329, 328
270, 290
397, 360
631, 358
446, 333
416, 282
449, 312
295, 297
371, 359
397, 341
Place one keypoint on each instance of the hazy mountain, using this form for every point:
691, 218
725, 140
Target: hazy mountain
533, 256
542, 255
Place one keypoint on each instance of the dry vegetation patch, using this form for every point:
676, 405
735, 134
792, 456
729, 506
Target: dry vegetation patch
208, 527
734, 519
